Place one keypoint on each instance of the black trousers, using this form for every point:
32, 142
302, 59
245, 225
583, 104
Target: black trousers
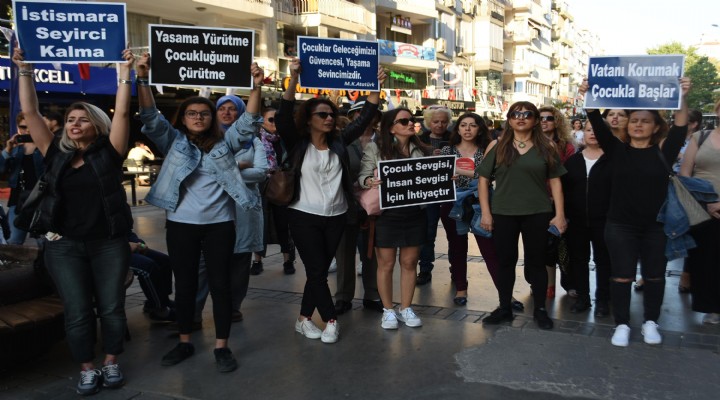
316, 238
704, 267
507, 229
579, 237
629, 244
185, 243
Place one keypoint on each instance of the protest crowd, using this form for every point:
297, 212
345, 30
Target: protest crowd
238, 175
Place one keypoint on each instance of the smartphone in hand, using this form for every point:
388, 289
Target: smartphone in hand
554, 230
23, 138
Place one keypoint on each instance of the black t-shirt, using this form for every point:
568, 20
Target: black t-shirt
81, 213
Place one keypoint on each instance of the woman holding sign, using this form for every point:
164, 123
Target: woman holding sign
639, 171
323, 197
402, 227
86, 252
523, 162
468, 141
200, 185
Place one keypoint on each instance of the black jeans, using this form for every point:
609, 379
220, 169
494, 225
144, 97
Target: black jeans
185, 243
87, 270
579, 237
704, 266
627, 245
316, 238
507, 229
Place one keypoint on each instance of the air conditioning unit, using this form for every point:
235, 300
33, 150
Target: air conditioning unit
440, 44
449, 3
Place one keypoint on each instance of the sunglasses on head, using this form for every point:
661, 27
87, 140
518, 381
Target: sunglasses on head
324, 115
404, 121
521, 114
547, 118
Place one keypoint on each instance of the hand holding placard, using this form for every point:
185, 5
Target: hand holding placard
143, 66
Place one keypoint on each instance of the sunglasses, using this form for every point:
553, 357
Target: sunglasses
194, 114
404, 121
547, 118
324, 115
271, 120
522, 114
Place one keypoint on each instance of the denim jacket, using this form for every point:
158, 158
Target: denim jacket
249, 223
672, 215
12, 164
183, 157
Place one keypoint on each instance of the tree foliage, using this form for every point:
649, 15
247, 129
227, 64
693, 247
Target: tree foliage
703, 73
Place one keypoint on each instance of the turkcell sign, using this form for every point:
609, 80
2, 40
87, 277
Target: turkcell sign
338, 64
201, 56
71, 32
647, 82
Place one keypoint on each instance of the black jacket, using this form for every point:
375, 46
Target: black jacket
106, 165
587, 199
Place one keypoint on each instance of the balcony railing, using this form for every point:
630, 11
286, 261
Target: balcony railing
338, 9
262, 8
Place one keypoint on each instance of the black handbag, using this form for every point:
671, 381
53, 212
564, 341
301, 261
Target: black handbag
29, 216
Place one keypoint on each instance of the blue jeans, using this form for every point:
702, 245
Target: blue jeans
91, 274
17, 236
427, 251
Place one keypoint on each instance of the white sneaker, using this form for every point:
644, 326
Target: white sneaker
331, 332
409, 318
358, 268
711, 318
308, 329
389, 319
333, 266
650, 333
621, 337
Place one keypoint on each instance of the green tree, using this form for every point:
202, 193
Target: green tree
702, 72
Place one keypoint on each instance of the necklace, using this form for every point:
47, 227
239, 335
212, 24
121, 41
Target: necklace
521, 143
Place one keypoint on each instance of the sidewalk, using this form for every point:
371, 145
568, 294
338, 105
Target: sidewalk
451, 355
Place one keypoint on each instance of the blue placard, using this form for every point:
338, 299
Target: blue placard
71, 32
338, 64
649, 82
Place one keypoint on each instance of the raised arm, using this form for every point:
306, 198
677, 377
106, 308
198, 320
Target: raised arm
145, 95
120, 127
40, 133
258, 75
678, 132
602, 132
284, 116
367, 114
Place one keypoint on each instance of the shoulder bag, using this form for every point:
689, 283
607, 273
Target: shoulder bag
28, 218
280, 187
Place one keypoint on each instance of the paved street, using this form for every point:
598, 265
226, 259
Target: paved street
451, 355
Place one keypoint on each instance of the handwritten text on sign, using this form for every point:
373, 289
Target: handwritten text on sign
338, 64
414, 181
636, 82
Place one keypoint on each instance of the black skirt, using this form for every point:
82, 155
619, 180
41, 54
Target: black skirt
401, 227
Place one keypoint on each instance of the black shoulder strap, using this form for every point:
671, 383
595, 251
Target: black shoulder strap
664, 161
703, 135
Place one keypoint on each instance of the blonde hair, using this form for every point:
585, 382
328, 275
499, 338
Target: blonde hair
563, 134
430, 111
100, 121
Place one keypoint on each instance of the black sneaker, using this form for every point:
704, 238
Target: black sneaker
373, 305
89, 382
256, 268
517, 305
178, 354
542, 319
582, 304
498, 316
601, 309
289, 267
166, 314
423, 278
112, 376
226, 362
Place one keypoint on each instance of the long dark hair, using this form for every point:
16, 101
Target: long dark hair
304, 114
206, 140
483, 136
506, 153
388, 149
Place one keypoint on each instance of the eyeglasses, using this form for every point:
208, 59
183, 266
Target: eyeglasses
547, 118
324, 115
23, 127
404, 121
523, 114
271, 120
194, 114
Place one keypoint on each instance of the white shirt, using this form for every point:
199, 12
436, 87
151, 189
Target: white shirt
139, 154
588, 165
321, 190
